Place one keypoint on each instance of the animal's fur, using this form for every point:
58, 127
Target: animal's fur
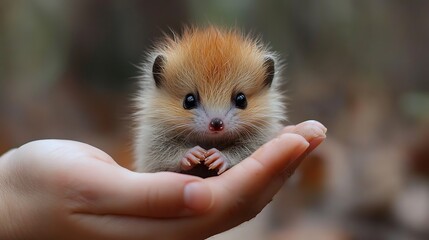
216, 64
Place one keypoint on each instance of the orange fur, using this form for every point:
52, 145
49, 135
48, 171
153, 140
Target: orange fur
221, 60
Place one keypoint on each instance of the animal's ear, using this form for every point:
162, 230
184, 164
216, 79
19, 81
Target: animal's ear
157, 69
269, 68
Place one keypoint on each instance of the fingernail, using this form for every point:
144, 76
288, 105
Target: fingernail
197, 196
320, 125
320, 132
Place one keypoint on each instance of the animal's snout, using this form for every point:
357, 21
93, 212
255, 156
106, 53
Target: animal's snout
216, 125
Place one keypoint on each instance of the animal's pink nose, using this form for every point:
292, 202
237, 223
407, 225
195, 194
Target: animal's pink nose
216, 125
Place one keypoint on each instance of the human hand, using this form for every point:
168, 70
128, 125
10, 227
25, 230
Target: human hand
58, 189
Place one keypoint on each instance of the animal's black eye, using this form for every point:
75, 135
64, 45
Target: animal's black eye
241, 101
190, 101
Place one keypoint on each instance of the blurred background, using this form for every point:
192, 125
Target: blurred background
68, 68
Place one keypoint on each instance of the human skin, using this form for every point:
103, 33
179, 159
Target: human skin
60, 189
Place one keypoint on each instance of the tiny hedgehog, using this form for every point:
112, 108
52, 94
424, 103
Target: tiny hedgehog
208, 99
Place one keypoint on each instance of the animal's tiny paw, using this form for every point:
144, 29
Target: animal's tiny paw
216, 160
192, 157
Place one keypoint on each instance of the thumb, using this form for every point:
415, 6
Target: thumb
117, 191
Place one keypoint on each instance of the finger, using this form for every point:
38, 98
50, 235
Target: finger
222, 169
192, 158
213, 157
290, 169
117, 191
308, 129
7, 154
201, 152
211, 151
314, 132
185, 164
250, 177
216, 164
199, 155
